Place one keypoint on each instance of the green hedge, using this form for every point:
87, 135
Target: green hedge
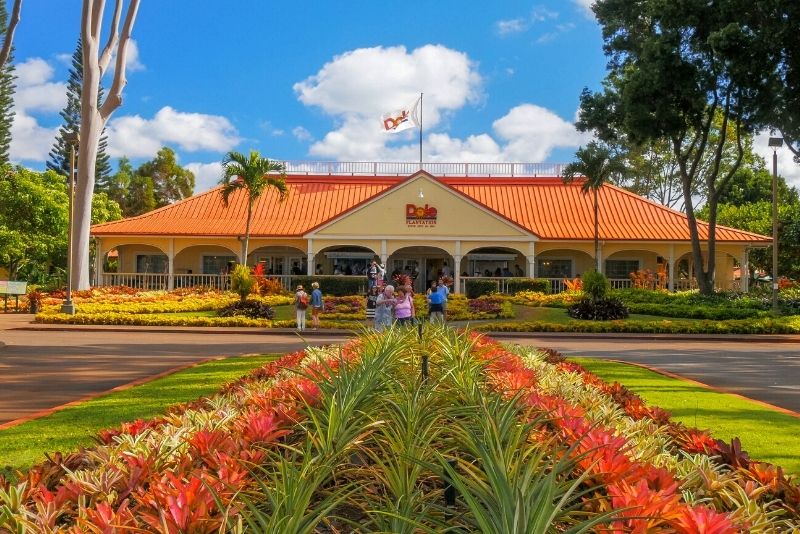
478, 288
539, 285
687, 311
335, 287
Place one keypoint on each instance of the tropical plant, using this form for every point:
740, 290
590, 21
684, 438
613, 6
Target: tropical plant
255, 175
598, 164
242, 281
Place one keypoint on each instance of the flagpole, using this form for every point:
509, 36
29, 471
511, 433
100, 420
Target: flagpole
420, 131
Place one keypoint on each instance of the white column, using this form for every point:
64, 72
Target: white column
171, 264
531, 257
98, 261
457, 267
310, 266
384, 256
744, 270
671, 267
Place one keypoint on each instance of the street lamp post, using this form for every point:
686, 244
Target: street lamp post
68, 306
775, 143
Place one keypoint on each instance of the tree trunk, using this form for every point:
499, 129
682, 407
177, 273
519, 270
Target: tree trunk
597, 260
247, 231
91, 126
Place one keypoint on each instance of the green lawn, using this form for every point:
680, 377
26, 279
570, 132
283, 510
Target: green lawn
766, 434
559, 315
74, 427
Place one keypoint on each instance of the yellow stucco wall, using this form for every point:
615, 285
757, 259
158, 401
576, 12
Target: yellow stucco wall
455, 215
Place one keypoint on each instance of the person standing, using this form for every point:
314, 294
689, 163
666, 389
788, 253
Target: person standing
316, 304
404, 308
372, 275
384, 306
435, 304
300, 305
372, 299
381, 273
444, 291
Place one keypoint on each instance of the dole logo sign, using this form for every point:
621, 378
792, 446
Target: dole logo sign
420, 215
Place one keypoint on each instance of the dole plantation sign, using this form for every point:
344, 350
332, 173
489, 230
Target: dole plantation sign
420, 215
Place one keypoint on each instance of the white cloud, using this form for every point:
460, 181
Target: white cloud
786, 164
35, 93
387, 78
134, 136
558, 29
523, 24
132, 61
29, 141
526, 133
507, 27
206, 175
301, 134
586, 5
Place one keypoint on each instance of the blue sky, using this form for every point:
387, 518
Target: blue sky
309, 80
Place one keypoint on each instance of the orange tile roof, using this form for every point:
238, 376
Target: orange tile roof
311, 202
552, 210
544, 206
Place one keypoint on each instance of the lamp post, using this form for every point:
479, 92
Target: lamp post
72, 138
775, 143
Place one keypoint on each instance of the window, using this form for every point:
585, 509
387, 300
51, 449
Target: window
217, 264
554, 268
151, 263
621, 268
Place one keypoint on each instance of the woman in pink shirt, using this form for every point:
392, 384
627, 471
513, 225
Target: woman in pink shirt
404, 308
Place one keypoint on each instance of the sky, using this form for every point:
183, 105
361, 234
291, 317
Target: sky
310, 80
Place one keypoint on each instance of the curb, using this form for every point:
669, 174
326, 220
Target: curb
741, 338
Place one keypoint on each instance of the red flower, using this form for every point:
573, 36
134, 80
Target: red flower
702, 520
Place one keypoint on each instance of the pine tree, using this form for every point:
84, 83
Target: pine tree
59, 155
6, 92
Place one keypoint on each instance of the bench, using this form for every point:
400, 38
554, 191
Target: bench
10, 288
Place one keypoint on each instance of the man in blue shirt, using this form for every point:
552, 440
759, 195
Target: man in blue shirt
436, 306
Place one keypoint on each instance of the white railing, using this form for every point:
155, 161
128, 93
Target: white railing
398, 168
620, 283
213, 281
144, 281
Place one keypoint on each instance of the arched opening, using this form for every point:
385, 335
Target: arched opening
493, 262
724, 277
142, 266
204, 266
637, 267
279, 260
557, 265
343, 260
423, 264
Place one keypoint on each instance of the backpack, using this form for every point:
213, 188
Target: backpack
302, 301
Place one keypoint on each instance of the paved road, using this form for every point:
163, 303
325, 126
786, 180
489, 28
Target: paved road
40, 370
769, 372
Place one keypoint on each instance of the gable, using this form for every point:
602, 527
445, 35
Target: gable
441, 212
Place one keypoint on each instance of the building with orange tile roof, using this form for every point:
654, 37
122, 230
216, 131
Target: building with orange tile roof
429, 223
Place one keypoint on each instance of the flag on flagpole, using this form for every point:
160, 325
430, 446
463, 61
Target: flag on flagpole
401, 119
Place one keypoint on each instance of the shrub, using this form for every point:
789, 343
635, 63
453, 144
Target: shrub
595, 285
539, 285
602, 309
253, 309
478, 288
335, 287
242, 281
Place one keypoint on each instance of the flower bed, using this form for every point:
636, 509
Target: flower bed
352, 439
780, 325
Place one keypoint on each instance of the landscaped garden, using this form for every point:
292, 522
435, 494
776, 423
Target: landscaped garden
391, 433
648, 311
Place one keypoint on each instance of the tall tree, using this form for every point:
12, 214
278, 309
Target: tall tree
692, 74
60, 153
8, 34
170, 181
598, 164
120, 181
95, 115
6, 88
254, 174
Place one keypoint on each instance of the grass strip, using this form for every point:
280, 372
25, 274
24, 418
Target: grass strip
71, 428
766, 434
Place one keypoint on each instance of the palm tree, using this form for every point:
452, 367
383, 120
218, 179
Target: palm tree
253, 174
597, 163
